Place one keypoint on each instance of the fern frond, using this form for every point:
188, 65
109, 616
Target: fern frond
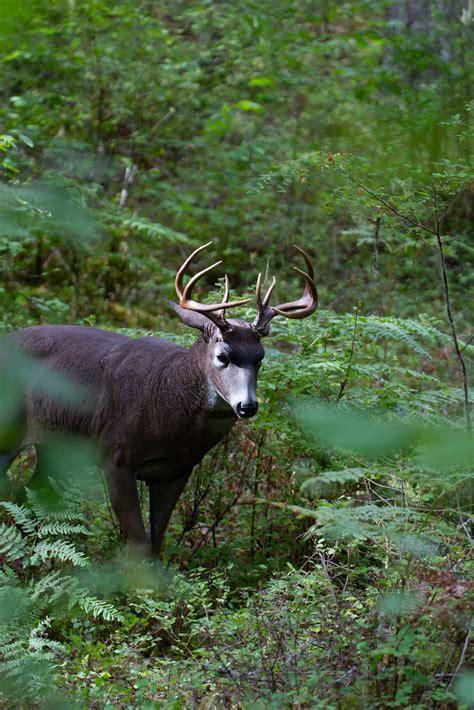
62, 528
37, 641
41, 511
59, 550
97, 607
68, 514
8, 577
53, 582
315, 484
21, 516
377, 329
153, 232
12, 543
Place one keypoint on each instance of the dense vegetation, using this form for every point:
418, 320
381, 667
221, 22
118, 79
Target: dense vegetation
320, 557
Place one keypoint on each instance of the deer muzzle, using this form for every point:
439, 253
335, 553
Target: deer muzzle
246, 410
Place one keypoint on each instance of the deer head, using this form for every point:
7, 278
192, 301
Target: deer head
234, 353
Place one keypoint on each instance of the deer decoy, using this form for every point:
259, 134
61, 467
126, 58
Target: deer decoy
158, 408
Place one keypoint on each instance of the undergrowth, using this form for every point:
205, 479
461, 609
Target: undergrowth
319, 557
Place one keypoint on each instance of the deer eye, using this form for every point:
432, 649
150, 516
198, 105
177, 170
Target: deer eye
223, 359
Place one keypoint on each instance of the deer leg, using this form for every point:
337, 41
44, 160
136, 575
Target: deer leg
163, 498
123, 494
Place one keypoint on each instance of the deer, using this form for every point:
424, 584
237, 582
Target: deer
157, 407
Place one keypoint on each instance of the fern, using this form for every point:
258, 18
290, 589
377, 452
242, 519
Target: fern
58, 527
52, 585
38, 642
316, 484
378, 328
37, 506
364, 522
36, 539
152, 232
97, 607
21, 516
58, 550
12, 543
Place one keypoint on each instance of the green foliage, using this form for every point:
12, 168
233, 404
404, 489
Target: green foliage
199, 103
37, 587
323, 551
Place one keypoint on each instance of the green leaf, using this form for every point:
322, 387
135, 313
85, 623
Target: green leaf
249, 106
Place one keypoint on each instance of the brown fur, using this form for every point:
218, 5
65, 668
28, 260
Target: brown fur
145, 401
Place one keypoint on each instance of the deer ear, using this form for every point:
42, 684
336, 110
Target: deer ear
193, 318
263, 332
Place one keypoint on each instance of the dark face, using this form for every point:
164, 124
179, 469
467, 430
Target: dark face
234, 362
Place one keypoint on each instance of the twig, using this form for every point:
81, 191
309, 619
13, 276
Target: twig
218, 519
392, 209
461, 659
467, 343
462, 522
324, 567
349, 364
375, 255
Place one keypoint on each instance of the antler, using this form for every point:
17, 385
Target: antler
302, 308
208, 309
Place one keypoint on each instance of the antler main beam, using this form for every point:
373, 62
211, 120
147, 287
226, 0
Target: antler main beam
184, 293
307, 304
301, 308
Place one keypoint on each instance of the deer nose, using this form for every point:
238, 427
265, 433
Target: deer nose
247, 410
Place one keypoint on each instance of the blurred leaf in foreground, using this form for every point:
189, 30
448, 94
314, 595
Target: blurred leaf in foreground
398, 603
352, 431
464, 688
25, 208
20, 373
365, 435
123, 575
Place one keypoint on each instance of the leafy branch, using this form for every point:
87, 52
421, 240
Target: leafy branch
439, 248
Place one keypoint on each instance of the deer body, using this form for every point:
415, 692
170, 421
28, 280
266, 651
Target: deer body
166, 379
154, 408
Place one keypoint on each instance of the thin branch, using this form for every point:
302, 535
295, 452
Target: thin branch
462, 657
467, 343
375, 255
349, 364
332, 589
439, 248
392, 209
447, 301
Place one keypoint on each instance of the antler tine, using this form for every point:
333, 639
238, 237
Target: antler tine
185, 300
258, 295
269, 292
226, 289
194, 279
221, 313
305, 256
178, 282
